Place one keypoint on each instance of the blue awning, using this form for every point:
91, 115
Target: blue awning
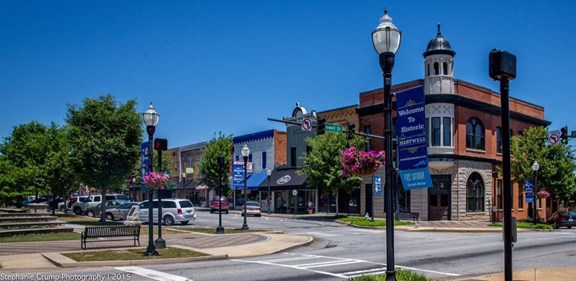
253, 182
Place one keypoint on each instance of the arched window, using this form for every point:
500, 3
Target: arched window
474, 134
475, 193
427, 69
436, 68
445, 68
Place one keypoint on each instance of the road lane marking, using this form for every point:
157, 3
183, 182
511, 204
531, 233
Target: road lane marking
294, 267
152, 274
329, 263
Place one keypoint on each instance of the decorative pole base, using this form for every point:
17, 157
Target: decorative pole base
160, 243
219, 229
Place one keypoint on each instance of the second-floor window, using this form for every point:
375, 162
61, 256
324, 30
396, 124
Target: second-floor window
474, 134
439, 131
263, 160
498, 140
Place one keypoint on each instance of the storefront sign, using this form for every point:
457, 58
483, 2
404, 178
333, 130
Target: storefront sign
412, 143
284, 180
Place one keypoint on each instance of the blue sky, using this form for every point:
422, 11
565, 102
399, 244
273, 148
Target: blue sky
227, 66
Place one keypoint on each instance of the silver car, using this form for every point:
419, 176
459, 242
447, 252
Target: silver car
173, 211
119, 212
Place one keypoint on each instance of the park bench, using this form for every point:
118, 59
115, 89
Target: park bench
409, 216
110, 231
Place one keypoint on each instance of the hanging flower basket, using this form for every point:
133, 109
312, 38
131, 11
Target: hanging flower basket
543, 194
156, 180
360, 163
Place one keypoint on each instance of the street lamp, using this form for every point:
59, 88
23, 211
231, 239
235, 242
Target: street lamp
151, 118
535, 168
269, 172
245, 153
220, 228
386, 39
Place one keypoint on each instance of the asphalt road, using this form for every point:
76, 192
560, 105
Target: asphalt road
340, 252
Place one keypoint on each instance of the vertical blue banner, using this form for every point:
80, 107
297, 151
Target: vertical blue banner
529, 191
144, 157
412, 143
377, 185
238, 175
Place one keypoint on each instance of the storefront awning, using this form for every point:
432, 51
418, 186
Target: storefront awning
252, 183
285, 179
189, 184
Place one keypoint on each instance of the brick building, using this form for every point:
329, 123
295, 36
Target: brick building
464, 142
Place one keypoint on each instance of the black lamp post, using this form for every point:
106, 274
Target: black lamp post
245, 153
220, 228
535, 168
268, 173
502, 67
151, 118
160, 242
386, 39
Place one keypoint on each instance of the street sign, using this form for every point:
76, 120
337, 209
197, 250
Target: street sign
554, 137
573, 134
333, 127
306, 124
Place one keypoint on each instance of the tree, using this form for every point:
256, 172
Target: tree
322, 163
104, 138
210, 172
24, 155
557, 166
60, 176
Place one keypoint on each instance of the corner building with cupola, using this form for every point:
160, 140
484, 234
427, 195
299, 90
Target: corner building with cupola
463, 125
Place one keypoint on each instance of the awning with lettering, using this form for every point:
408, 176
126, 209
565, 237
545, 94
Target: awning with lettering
285, 179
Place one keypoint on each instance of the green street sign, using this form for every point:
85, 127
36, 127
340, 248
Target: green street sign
333, 127
573, 134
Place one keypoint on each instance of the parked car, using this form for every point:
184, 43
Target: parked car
95, 211
173, 211
565, 218
252, 209
215, 202
119, 212
82, 205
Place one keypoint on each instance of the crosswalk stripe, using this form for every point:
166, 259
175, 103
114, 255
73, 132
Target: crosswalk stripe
152, 274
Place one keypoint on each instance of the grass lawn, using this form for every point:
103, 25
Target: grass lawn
527, 225
401, 275
362, 222
132, 254
41, 237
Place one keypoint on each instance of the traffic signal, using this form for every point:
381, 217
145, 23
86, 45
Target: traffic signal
321, 126
161, 144
350, 131
564, 135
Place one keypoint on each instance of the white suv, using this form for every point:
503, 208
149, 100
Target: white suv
82, 205
173, 210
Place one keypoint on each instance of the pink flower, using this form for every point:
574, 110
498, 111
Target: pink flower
357, 162
543, 194
156, 180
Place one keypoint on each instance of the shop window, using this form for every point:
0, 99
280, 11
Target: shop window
368, 130
475, 193
474, 134
498, 140
520, 197
499, 194
447, 131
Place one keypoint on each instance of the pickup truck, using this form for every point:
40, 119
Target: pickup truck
214, 204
